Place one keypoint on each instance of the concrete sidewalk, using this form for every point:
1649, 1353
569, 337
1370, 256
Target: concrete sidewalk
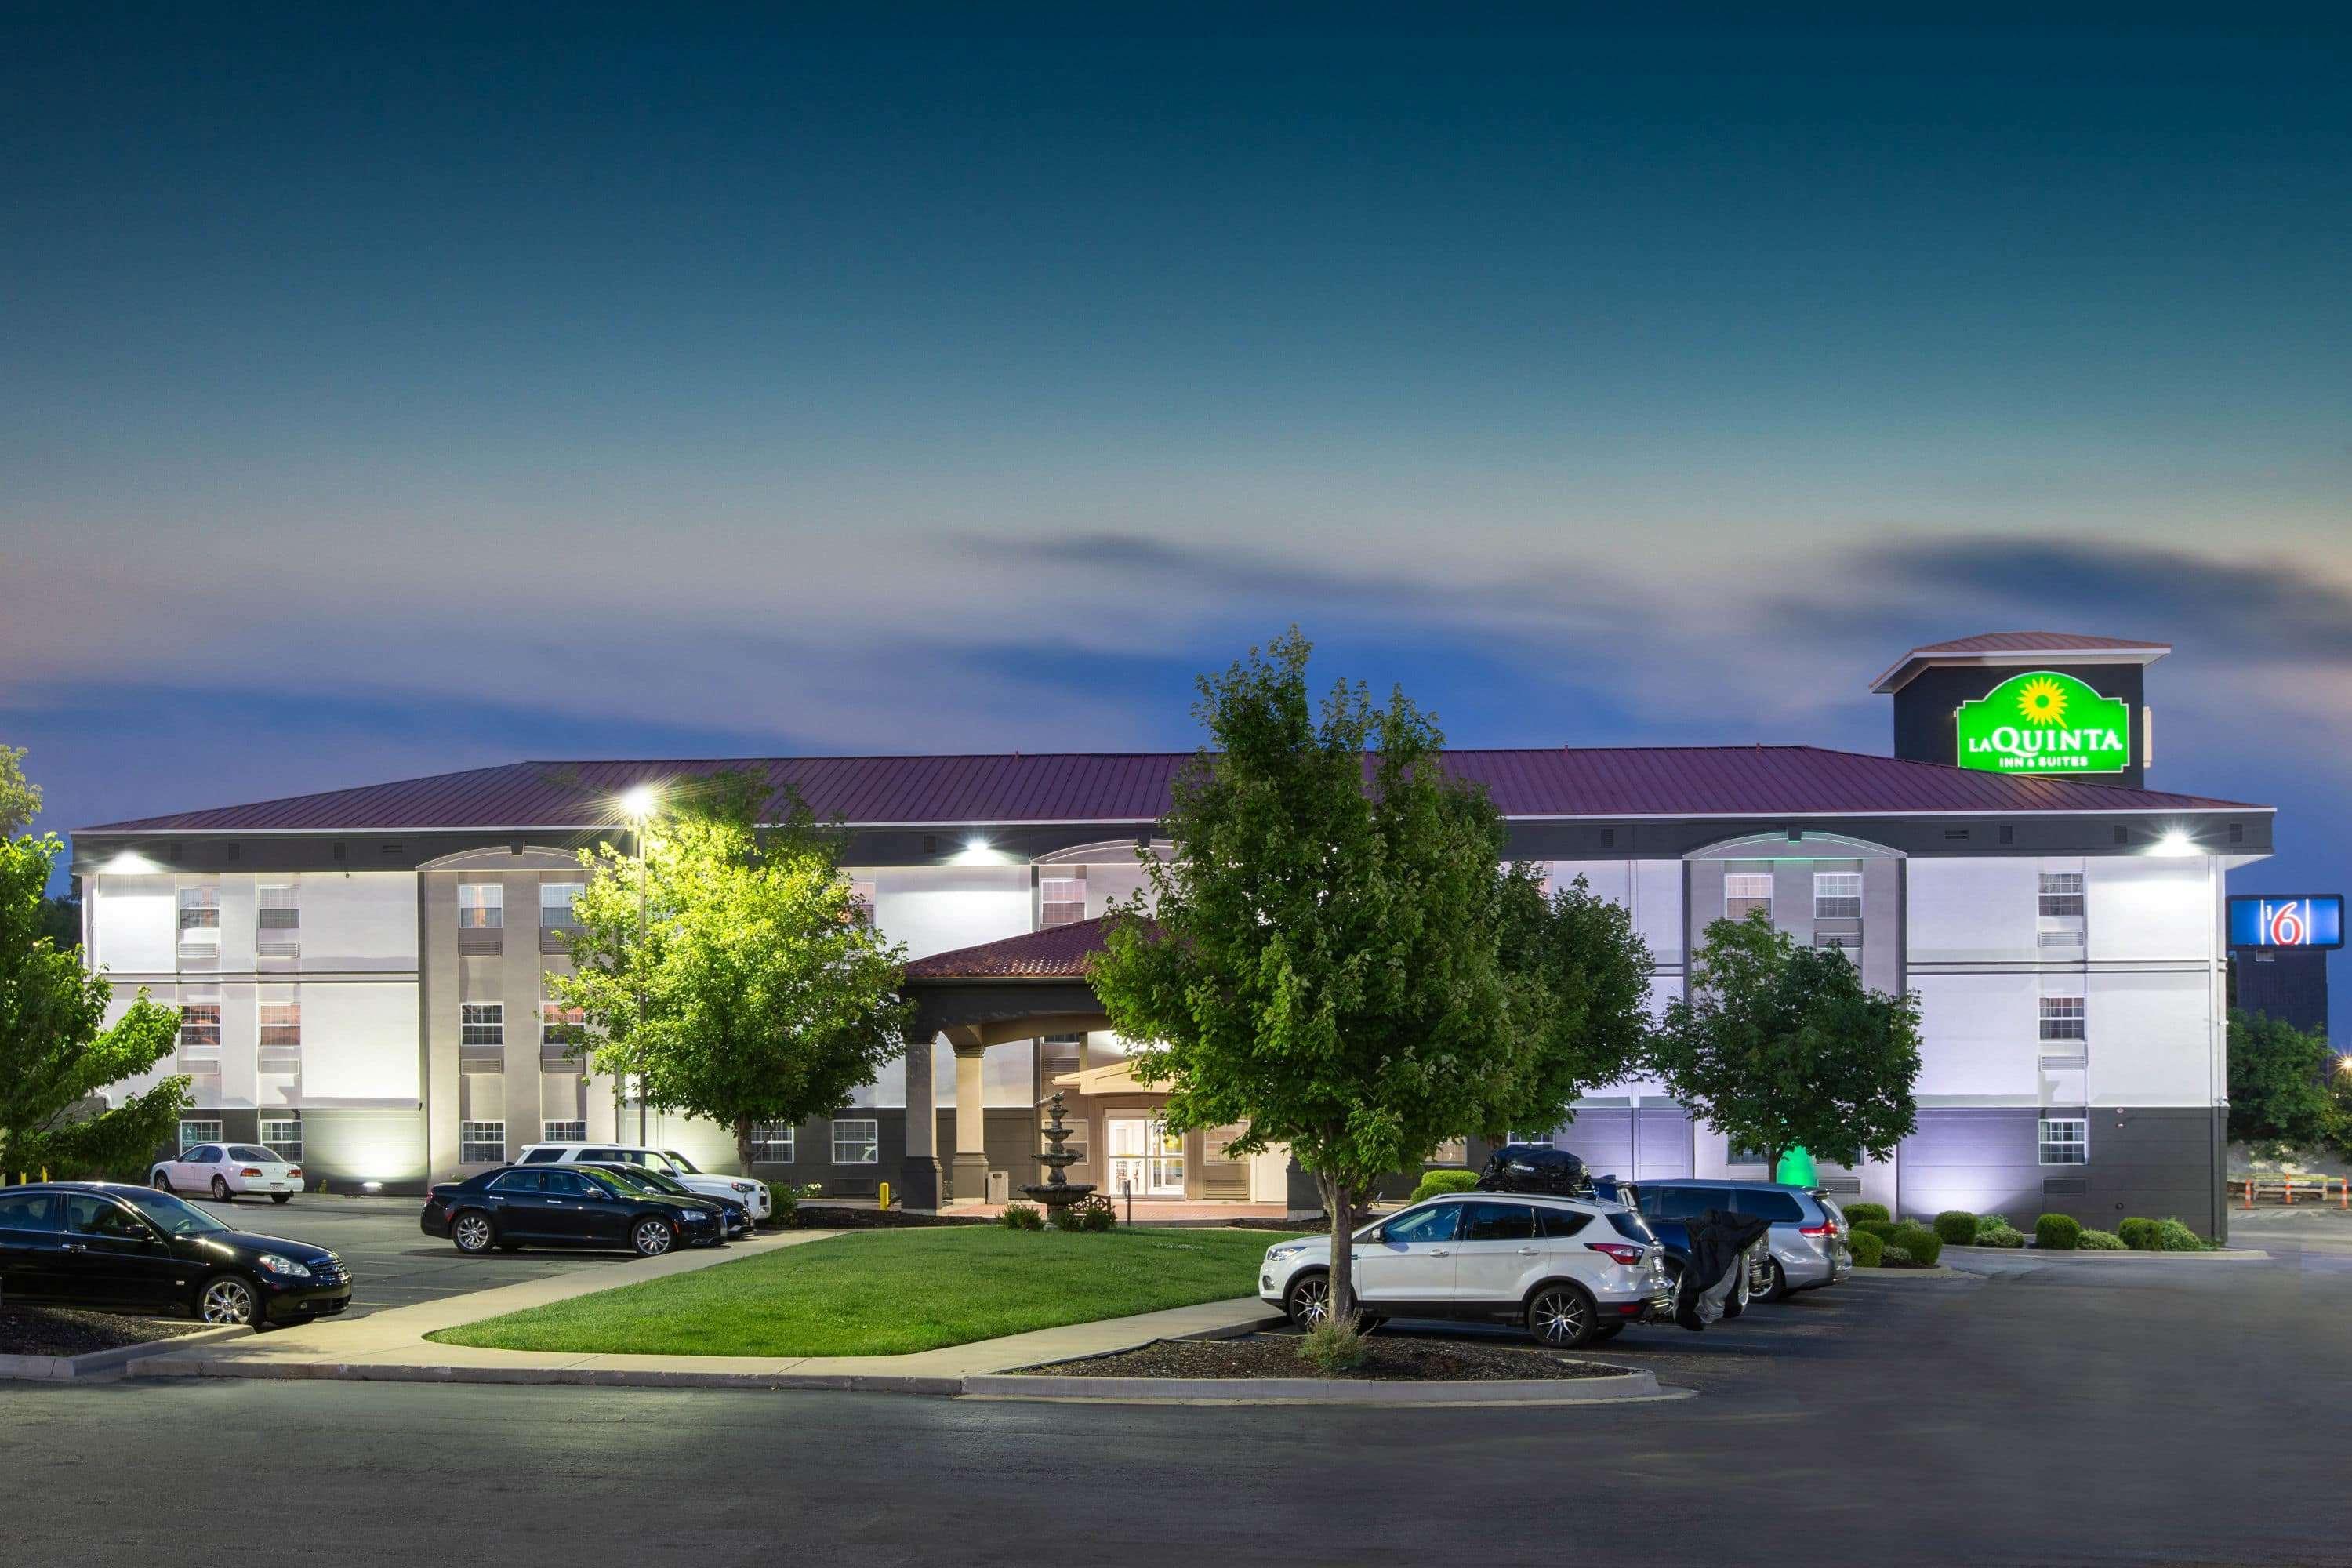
391, 1345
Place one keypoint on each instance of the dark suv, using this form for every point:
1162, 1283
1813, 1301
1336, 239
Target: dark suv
1806, 1241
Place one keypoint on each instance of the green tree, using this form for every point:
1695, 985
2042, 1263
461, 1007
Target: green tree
1334, 954
20, 801
760, 993
1781, 1046
2281, 1096
56, 1051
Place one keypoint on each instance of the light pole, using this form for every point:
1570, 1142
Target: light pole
639, 803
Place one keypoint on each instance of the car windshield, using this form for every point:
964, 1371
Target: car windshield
658, 1183
174, 1217
682, 1162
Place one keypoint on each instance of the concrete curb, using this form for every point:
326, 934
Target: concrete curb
1628, 1385
2226, 1254
90, 1363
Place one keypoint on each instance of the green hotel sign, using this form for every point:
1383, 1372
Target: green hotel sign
2044, 722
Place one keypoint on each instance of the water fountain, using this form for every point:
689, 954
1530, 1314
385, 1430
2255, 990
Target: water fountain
1056, 1191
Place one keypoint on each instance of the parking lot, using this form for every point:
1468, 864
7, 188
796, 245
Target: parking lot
393, 1263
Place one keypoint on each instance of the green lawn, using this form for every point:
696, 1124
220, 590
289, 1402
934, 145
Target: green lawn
888, 1292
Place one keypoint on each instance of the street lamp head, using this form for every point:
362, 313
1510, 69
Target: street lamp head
638, 803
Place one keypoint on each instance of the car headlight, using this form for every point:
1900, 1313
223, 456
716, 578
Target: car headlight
285, 1266
1288, 1250
743, 1187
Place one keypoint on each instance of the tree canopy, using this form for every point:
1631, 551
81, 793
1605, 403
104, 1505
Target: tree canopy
56, 1050
1334, 955
761, 993
1781, 1046
2281, 1096
20, 800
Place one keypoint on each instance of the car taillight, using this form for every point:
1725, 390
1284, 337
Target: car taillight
1824, 1228
250, 1171
294, 1170
1616, 1251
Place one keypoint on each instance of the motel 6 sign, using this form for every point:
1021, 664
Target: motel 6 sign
2285, 920
2044, 722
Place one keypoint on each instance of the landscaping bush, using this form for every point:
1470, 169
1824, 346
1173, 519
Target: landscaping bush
1989, 1223
2002, 1235
1334, 1346
1894, 1256
2100, 1241
1884, 1230
2057, 1233
2138, 1235
1448, 1181
1094, 1212
2171, 1235
1868, 1250
1856, 1213
1020, 1217
1957, 1227
1921, 1244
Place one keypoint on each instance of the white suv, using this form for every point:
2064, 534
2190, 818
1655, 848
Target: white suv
1571, 1269
752, 1195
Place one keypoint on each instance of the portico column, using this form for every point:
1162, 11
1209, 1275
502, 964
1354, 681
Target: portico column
970, 1172
919, 1180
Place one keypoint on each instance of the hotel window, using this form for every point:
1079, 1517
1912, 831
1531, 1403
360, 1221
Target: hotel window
1745, 892
564, 1131
199, 1026
555, 904
278, 921
2062, 894
481, 906
861, 902
856, 1143
283, 1135
771, 1144
561, 1026
1845, 942
1061, 901
196, 1131
281, 1024
1737, 1154
199, 913
2065, 1141
481, 1143
1452, 1152
2062, 1018
1837, 895
482, 1024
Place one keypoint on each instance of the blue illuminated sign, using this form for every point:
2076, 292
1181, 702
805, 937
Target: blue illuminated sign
2286, 919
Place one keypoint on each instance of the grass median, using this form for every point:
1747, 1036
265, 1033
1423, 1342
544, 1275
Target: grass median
890, 1292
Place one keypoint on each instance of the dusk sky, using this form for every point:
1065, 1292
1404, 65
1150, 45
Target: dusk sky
401, 392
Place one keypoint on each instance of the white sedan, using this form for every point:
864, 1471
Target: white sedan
224, 1170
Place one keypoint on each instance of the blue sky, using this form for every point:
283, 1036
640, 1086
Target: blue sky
401, 389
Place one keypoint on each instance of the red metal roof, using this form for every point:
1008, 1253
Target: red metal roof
2005, 647
1085, 788
1058, 952
2034, 642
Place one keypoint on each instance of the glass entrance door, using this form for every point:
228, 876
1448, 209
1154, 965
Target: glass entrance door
1145, 1158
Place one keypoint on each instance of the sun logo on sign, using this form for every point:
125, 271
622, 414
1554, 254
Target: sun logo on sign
2043, 701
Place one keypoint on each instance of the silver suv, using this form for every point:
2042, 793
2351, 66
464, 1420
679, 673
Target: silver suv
1807, 1239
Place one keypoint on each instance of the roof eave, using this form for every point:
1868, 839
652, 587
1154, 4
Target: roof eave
1913, 664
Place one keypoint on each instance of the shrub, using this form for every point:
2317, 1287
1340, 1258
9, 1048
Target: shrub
2100, 1241
1857, 1212
1334, 1346
1448, 1181
1894, 1256
1869, 1251
1989, 1223
1957, 1227
1884, 1230
2171, 1235
1094, 1212
1020, 1217
2002, 1235
2138, 1235
1922, 1245
2057, 1233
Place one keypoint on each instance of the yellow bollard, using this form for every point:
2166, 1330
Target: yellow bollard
882, 1191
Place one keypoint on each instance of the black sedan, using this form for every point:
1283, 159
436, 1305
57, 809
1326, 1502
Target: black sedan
132, 1249
564, 1206
733, 1217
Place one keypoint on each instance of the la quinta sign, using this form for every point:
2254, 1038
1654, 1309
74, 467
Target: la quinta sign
2044, 722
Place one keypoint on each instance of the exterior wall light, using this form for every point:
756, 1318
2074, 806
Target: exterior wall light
131, 863
2176, 842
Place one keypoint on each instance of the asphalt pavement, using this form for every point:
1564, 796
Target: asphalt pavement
2122, 1411
393, 1263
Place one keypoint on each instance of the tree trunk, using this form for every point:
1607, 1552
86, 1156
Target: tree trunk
1340, 1202
744, 1125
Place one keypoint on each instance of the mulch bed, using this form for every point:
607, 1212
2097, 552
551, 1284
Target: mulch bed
816, 1216
1276, 1356
63, 1331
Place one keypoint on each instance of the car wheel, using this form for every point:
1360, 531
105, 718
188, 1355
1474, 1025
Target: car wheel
652, 1237
160, 1182
472, 1232
1561, 1317
1775, 1287
1309, 1301
281, 1197
220, 1189
227, 1299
